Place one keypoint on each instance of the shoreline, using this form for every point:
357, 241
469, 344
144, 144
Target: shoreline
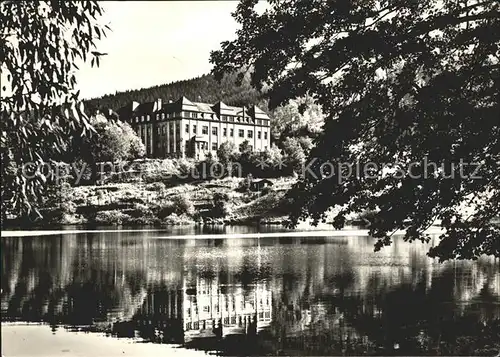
161, 203
295, 233
37, 340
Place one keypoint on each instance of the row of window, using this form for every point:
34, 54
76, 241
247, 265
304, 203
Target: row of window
204, 131
236, 119
233, 320
172, 146
199, 146
145, 132
206, 308
147, 117
163, 130
215, 131
229, 118
141, 130
215, 146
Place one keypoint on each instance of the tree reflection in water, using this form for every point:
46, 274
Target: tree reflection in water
255, 296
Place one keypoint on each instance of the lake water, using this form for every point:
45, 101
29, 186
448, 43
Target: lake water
232, 296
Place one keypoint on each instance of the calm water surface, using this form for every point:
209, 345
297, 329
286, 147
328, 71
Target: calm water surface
305, 296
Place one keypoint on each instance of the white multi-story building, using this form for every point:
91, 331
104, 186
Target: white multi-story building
191, 129
208, 305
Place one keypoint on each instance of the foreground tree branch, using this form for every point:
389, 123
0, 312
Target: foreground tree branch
415, 94
41, 42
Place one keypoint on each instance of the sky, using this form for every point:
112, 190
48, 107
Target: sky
156, 42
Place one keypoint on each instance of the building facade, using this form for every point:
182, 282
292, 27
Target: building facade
191, 129
208, 304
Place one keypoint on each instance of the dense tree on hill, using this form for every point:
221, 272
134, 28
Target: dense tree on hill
402, 82
201, 89
40, 107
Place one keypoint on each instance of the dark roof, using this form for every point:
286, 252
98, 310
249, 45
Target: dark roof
184, 104
257, 112
144, 108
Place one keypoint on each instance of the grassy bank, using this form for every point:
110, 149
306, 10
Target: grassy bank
159, 193
158, 203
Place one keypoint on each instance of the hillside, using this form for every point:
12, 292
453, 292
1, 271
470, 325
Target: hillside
202, 89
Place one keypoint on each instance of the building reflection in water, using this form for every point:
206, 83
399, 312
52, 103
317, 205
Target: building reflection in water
253, 296
214, 310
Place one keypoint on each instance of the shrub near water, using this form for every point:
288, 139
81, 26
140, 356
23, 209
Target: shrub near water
165, 210
114, 217
140, 210
221, 204
182, 204
175, 219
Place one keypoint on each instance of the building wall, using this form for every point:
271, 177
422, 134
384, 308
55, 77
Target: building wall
232, 308
196, 133
219, 132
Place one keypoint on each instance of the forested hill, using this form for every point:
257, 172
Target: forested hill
201, 89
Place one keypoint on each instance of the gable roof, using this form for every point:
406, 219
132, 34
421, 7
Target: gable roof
184, 104
204, 107
258, 113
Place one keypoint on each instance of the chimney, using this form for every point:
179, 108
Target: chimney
157, 106
134, 105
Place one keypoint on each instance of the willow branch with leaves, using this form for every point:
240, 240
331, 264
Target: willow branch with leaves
41, 42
